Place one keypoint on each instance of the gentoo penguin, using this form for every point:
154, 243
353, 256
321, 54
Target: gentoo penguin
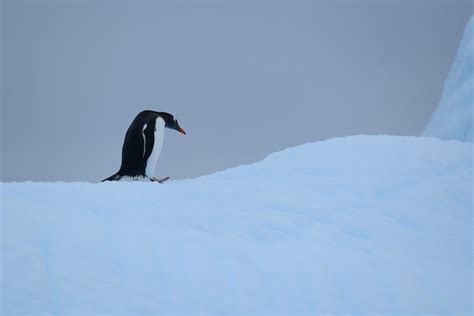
142, 146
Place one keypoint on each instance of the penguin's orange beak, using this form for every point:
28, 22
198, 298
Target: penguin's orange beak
181, 131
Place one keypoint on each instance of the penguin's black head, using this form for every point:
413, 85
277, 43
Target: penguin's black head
171, 122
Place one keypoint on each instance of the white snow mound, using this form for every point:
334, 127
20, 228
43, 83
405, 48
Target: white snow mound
356, 225
454, 117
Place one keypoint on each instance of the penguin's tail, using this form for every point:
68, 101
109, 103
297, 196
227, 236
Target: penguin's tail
114, 177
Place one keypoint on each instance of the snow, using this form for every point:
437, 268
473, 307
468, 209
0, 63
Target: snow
355, 225
454, 117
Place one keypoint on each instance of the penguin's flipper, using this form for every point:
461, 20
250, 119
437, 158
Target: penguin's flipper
159, 180
114, 177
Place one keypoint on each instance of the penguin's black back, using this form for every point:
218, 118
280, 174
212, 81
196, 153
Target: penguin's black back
135, 152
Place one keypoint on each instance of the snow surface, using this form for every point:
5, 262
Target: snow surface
454, 117
357, 225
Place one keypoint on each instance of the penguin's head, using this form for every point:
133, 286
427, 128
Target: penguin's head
171, 122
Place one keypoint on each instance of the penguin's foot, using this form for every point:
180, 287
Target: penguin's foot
154, 179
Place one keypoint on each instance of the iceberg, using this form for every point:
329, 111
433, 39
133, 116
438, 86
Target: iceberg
454, 117
353, 225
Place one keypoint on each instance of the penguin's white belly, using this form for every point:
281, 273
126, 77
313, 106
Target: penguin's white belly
155, 153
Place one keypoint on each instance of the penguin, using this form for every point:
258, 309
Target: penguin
142, 146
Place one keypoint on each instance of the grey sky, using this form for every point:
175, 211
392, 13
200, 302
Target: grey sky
244, 78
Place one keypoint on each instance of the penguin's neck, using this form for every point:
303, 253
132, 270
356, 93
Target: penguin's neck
158, 144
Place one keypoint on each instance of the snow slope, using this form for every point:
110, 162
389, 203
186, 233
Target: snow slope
358, 225
454, 117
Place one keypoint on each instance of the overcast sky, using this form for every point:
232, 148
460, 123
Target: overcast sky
244, 79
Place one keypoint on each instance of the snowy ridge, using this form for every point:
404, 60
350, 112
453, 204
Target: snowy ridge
355, 225
454, 117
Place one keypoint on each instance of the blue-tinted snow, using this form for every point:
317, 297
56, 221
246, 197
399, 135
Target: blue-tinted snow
454, 117
358, 225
